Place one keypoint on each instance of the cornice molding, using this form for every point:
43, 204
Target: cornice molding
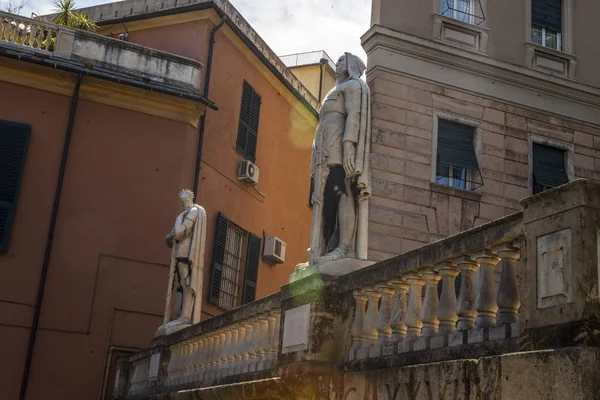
101, 91
379, 37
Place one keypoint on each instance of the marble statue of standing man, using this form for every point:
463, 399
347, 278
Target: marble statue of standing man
341, 168
187, 240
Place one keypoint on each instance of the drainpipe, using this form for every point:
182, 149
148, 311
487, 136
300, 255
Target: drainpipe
211, 48
322, 63
49, 239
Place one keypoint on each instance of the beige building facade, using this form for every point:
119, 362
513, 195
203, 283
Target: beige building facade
476, 105
315, 69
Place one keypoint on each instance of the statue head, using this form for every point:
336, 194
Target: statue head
348, 67
187, 198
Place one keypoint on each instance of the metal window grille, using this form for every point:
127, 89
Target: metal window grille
232, 261
469, 11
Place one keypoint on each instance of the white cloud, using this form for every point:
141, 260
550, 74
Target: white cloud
288, 26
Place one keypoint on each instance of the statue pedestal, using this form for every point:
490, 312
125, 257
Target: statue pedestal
331, 268
166, 330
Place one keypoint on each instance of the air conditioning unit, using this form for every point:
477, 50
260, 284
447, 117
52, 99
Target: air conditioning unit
248, 172
274, 250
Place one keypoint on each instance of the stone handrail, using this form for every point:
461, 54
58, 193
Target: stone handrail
27, 32
244, 340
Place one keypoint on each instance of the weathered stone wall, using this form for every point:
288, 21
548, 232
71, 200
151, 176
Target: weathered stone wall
563, 374
407, 210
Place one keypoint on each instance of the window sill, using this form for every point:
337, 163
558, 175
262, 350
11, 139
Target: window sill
450, 191
553, 62
460, 34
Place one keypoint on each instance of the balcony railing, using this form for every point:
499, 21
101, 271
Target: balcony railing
99, 53
27, 32
528, 281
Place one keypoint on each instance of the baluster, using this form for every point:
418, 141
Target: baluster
214, 356
224, 354
466, 297
430, 306
185, 361
191, 360
264, 342
247, 345
357, 324
271, 338
398, 312
233, 344
413, 313
177, 363
239, 351
370, 322
384, 330
447, 309
197, 359
508, 292
206, 360
254, 344
274, 349
486, 300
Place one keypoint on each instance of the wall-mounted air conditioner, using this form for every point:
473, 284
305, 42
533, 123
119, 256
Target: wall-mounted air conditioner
248, 172
274, 250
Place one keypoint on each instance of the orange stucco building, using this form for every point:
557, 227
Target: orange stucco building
85, 264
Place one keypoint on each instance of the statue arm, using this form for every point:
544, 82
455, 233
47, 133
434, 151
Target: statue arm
184, 227
169, 238
352, 105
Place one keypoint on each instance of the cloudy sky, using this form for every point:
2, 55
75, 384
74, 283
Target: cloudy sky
288, 26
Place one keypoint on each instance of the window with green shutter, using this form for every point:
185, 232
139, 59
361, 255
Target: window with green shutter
456, 163
247, 138
548, 167
14, 138
252, 262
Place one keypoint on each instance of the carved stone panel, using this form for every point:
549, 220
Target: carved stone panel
154, 364
295, 329
554, 282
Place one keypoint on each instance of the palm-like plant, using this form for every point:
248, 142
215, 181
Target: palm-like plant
67, 16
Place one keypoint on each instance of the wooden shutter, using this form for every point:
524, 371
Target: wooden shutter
14, 138
547, 14
548, 166
218, 259
247, 139
455, 145
252, 261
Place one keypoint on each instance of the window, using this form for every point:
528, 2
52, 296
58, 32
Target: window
548, 167
228, 260
248, 126
462, 10
546, 23
14, 138
456, 164
232, 262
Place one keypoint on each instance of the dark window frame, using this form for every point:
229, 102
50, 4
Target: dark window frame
249, 121
8, 205
456, 155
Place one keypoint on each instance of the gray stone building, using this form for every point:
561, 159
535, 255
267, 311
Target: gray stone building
476, 105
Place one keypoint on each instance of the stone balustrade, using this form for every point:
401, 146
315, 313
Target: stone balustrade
420, 308
69, 46
241, 341
518, 285
27, 32
249, 345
